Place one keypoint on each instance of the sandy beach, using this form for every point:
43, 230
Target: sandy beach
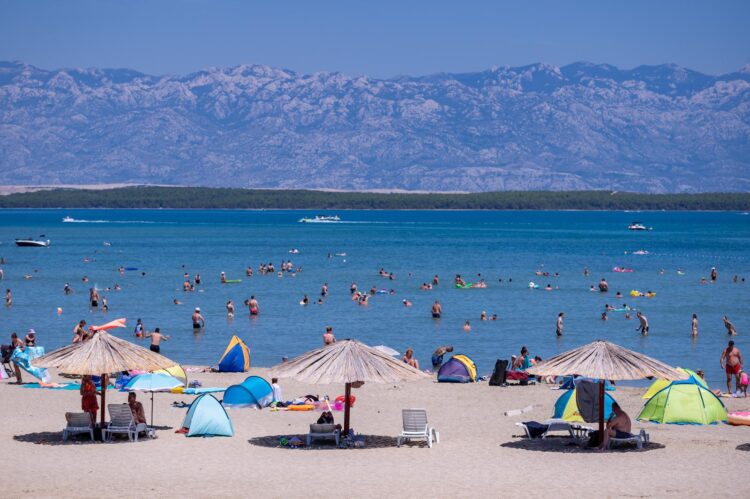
481, 452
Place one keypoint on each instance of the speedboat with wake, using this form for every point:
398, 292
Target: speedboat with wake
32, 242
320, 219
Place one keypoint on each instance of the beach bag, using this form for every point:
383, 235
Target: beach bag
499, 374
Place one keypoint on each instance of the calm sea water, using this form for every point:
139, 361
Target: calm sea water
414, 245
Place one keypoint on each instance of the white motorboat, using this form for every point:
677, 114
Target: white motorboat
638, 226
69, 219
318, 219
32, 242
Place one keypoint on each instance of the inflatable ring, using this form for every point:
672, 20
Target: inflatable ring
738, 418
301, 407
340, 399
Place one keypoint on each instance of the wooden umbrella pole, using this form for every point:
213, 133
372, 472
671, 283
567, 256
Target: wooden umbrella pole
347, 395
601, 411
104, 382
152, 409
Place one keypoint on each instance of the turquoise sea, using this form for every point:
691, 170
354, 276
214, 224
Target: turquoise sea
414, 245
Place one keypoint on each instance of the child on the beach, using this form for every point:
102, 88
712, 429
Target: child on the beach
744, 381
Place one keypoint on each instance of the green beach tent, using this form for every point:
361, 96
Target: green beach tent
684, 402
661, 384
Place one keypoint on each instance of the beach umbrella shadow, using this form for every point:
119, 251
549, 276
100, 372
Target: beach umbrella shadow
565, 446
371, 442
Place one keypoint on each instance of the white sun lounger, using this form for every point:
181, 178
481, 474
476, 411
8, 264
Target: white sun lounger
121, 421
576, 431
416, 427
638, 439
78, 422
323, 432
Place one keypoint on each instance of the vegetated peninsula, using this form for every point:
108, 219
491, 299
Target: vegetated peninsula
655, 129
203, 197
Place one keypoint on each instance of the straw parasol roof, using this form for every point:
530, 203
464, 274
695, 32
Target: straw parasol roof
102, 354
347, 361
605, 360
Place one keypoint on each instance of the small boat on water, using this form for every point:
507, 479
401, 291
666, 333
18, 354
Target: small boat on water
638, 226
32, 242
320, 219
69, 219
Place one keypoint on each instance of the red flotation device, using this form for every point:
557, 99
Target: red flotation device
341, 399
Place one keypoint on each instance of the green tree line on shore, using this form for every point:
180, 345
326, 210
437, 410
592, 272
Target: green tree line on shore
226, 198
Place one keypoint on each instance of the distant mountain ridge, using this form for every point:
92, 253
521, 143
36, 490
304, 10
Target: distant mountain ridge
582, 126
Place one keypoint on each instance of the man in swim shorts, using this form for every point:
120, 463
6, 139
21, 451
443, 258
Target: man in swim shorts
437, 356
559, 325
619, 426
643, 325
733, 359
603, 286
156, 338
437, 310
198, 320
252, 304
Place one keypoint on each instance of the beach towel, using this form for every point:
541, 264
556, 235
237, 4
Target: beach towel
536, 429
587, 398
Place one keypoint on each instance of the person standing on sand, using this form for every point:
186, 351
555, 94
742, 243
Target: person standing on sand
559, 327
695, 325
88, 397
156, 338
643, 323
437, 310
437, 356
198, 321
328, 337
730, 327
733, 359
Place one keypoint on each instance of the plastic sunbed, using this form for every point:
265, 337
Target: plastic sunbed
416, 427
78, 422
121, 421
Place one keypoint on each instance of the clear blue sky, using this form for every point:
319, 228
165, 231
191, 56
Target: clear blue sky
374, 37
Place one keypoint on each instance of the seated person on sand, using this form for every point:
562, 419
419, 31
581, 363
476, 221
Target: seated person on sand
618, 426
139, 416
408, 358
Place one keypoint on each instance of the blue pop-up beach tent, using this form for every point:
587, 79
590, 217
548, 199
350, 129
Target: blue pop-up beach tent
207, 417
254, 391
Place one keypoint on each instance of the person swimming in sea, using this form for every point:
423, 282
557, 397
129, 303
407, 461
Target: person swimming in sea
230, 309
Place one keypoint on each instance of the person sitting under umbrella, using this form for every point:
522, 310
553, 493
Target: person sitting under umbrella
618, 426
327, 418
139, 415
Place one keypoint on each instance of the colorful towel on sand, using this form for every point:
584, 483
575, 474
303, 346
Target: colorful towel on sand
199, 391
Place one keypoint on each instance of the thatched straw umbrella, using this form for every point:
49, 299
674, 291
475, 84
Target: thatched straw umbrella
347, 361
101, 355
605, 361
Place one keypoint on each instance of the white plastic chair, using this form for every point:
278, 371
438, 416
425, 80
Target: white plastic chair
78, 422
121, 421
416, 427
323, 432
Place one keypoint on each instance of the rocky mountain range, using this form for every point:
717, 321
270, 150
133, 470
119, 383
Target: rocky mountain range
538, 127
